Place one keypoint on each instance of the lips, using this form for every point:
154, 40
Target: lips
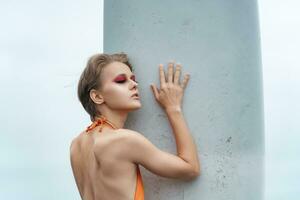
135, 95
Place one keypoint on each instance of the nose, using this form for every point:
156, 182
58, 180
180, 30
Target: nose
133, 84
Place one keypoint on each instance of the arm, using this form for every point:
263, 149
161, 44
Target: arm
170, 98
134, 147
140, 150
186, 148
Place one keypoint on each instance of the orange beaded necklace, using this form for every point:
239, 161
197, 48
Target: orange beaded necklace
99, 122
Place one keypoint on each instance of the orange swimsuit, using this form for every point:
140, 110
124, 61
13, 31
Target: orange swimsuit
139, 190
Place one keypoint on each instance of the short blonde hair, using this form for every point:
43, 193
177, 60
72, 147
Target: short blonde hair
90, 78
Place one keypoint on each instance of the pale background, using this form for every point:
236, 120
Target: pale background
43, 48
280, 30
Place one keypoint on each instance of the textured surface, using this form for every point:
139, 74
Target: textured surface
217, 42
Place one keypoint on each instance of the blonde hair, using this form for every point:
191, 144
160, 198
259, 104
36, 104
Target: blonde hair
90, 78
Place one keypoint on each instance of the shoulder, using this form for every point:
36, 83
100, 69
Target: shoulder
133, 144
122, 137
125, 133
119, 144
74, 144
74, 151
130, 137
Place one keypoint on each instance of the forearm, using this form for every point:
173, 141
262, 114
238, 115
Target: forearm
186, 147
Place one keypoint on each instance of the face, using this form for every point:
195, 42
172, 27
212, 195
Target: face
118, 86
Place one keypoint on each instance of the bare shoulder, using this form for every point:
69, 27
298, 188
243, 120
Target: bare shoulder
74, 144
122, 135
133, 144
119, 144
129, 134
73, 152
131, 138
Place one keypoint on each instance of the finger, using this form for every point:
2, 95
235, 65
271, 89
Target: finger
177, 74
185, 81
170, 72
162, 75
154, 89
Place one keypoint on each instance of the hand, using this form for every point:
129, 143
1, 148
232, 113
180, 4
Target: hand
171, 90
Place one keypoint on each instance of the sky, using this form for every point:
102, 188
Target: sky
43, 47
280, 30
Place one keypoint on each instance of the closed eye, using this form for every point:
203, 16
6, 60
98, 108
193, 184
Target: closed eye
122, 79
125, 81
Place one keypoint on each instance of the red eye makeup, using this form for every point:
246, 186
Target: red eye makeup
122, 78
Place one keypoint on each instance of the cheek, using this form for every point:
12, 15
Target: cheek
117, 98
115, 93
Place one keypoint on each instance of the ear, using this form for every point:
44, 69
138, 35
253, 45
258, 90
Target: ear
96, 96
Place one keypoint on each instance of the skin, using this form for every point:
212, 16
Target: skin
104, 164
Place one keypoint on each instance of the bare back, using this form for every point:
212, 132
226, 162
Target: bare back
102, 176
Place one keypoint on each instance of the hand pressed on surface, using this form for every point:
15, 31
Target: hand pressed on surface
170, 94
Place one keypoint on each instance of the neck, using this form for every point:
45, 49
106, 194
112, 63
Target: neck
117, 118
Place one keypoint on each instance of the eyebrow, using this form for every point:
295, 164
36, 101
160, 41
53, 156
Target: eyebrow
126, 74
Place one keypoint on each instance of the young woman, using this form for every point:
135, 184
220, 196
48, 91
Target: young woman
105, 157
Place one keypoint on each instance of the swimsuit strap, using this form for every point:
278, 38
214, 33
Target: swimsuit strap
99, 122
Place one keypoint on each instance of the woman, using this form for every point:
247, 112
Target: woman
105, 157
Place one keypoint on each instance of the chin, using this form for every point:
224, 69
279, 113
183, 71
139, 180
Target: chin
137, 106
131, 106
